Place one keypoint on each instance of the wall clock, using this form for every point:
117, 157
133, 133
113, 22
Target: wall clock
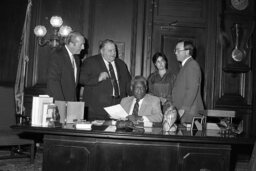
240, 4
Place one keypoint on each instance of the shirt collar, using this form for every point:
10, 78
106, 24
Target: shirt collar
185, 60
69, 53
107, 63
141, 100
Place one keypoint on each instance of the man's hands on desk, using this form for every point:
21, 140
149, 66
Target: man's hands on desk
134, 118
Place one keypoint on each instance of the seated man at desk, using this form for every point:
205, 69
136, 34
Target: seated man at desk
142, 106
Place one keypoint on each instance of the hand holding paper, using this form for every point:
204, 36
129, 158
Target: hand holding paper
116, 112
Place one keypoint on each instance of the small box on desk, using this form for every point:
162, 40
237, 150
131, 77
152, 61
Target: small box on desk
223, 117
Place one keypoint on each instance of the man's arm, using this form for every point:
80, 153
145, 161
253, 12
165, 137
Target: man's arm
90, 76
54, 88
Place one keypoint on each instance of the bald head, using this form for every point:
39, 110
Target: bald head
75, 42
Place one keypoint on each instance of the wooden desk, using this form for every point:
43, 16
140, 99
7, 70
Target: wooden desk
70, 149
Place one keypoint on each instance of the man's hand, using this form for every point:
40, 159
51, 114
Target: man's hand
134, 118
103, 76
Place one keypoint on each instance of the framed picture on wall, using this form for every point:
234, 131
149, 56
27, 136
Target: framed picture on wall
120, 50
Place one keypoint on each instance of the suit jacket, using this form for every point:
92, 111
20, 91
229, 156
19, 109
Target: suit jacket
150, 107
98, 95
186, 93
61, 84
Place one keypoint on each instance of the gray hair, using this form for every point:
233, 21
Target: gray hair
104, 42
139, 78
72, 37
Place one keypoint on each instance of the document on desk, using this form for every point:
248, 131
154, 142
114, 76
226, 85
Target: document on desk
116, 112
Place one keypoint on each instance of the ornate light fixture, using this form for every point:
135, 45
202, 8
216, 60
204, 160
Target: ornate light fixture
59, 32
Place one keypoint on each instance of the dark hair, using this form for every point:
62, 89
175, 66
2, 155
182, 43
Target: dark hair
104, 42
139, 78
160, 54
188, 45
72, 37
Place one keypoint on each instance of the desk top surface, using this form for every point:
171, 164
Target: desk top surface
154, 133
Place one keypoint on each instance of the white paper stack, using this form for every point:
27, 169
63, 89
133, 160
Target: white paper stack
84, 126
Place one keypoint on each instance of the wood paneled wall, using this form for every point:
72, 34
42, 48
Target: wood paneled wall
140, 28
12, 14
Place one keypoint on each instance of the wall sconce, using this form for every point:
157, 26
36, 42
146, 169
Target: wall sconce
59, 33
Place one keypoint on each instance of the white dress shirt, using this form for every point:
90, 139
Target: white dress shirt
73, 62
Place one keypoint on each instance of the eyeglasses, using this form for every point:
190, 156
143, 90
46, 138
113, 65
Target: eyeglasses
178, 50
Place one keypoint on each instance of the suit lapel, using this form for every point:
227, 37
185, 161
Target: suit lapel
68, 63
102, 63
187, 62
143, 108
129, 104
184, 67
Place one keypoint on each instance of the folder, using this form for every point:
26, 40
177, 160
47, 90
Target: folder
70, 111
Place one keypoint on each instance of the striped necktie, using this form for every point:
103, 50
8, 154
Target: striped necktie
135, 111
113, 79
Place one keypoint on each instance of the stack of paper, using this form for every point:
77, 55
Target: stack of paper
84, 126
49, 110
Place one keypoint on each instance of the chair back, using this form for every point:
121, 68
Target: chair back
7, 107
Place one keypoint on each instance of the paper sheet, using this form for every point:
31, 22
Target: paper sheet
110, 128
116, 112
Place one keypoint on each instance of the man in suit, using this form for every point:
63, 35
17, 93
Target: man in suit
186, 93
63, 70
106, 80
142, 106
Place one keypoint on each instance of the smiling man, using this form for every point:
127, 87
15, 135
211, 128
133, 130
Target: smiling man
106, 80
63, 70
142, 106
186, 93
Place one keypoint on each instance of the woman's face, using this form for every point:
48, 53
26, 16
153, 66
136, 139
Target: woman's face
160, 63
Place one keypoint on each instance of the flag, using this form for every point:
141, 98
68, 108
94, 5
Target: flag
23, 59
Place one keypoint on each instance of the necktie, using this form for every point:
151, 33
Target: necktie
135, 111
113, 79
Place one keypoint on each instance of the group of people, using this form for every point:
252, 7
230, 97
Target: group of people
107, 82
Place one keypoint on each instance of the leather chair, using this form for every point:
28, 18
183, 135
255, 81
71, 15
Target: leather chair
9, 137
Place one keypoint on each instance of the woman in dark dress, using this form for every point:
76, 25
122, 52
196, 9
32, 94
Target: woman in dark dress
161, 82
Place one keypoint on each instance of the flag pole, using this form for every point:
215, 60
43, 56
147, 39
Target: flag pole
22, 108
22, 65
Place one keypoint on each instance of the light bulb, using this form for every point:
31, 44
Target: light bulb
40, 31
65, 30
56, 21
